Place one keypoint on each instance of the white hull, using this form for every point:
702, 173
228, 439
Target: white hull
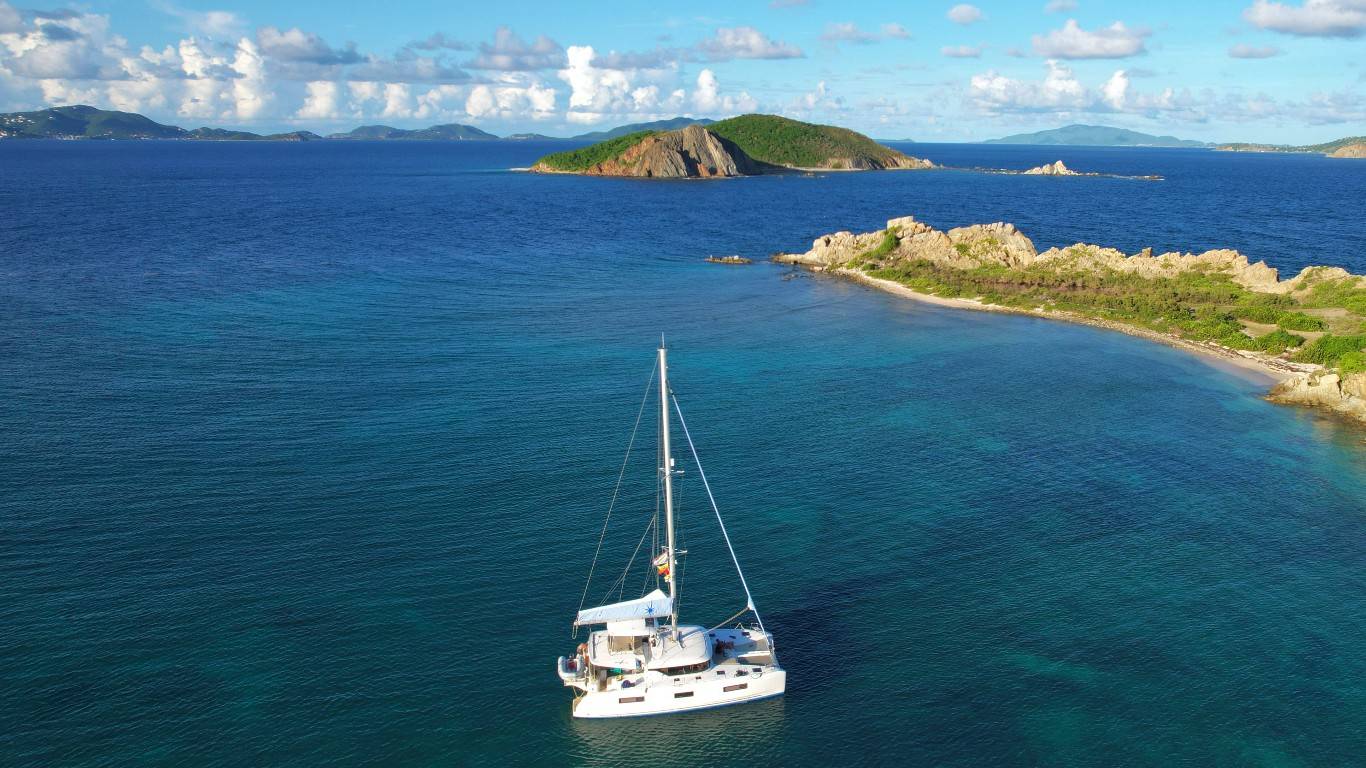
663, 699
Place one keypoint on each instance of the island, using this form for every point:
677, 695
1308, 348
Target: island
1309, 332
741, 146
1351, 147
1095, 136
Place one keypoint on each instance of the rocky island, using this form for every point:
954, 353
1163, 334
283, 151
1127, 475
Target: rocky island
1309, 331
741, 146
1052, 169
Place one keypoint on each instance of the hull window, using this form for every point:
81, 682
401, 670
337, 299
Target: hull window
630, 699
739, 687
683, 695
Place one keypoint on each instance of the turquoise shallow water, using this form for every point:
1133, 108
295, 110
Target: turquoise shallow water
306, 450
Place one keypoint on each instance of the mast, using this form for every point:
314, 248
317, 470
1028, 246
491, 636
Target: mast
667, 469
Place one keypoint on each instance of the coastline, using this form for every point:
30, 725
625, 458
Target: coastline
1270, 370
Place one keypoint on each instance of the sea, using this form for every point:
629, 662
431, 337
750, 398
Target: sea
306, 450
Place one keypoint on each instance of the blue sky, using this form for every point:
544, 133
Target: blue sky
1292, 71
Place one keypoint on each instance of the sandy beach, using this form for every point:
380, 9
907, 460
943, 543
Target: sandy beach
1266, 368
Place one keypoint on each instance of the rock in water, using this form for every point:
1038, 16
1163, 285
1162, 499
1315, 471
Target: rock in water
1054, 169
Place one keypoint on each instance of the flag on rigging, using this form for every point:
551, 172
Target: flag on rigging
662, 564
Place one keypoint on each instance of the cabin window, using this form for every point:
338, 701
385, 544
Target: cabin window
622, 644
688, 670
683, 695
630, 699
739, 687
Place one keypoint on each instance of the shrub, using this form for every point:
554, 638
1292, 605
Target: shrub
1277, 341
1298, 321
587, 157
1328, 350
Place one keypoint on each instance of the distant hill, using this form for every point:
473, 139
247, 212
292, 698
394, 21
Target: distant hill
671, 124
84, 122
1095, 136
446, 132
532, 137
222, 134
1339, 148
741, 146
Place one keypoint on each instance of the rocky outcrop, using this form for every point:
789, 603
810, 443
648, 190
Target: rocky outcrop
691, 152
1351, 150
1053, 169
1325, 389
1001, 244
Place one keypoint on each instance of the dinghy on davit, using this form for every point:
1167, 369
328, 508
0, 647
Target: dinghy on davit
644, 661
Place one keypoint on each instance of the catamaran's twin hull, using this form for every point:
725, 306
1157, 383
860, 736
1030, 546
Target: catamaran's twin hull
670, 699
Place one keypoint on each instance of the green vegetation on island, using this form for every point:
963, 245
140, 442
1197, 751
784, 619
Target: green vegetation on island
791, 143
744, 145
1350, 146
1216, 299
579, 160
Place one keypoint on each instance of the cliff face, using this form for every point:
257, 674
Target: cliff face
1351, 150
691, 152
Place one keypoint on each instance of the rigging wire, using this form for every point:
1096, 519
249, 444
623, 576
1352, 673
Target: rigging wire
749, 599
617, 491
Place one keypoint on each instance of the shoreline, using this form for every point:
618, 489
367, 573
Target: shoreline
1270, 370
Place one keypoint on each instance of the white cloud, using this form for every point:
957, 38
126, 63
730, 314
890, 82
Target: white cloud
320, 101
745, 43
1060, 6
510, 53
708, 99
849, 32
1060, 90
1115, 91
962, 51
10, 20
397, 100
1245, 51
534, 101
1315, 18
219, 25
965, 14
296, 45
250, 91
1072, 42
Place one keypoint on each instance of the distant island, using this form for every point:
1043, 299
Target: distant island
741, 146
85, 122
1095, 136
447, 132
1350, 147
1308, 331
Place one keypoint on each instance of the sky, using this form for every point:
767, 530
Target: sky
1220, 70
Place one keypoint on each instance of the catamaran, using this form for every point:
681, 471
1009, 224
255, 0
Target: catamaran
645, 661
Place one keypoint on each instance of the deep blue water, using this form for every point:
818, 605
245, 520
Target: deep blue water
304, 450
